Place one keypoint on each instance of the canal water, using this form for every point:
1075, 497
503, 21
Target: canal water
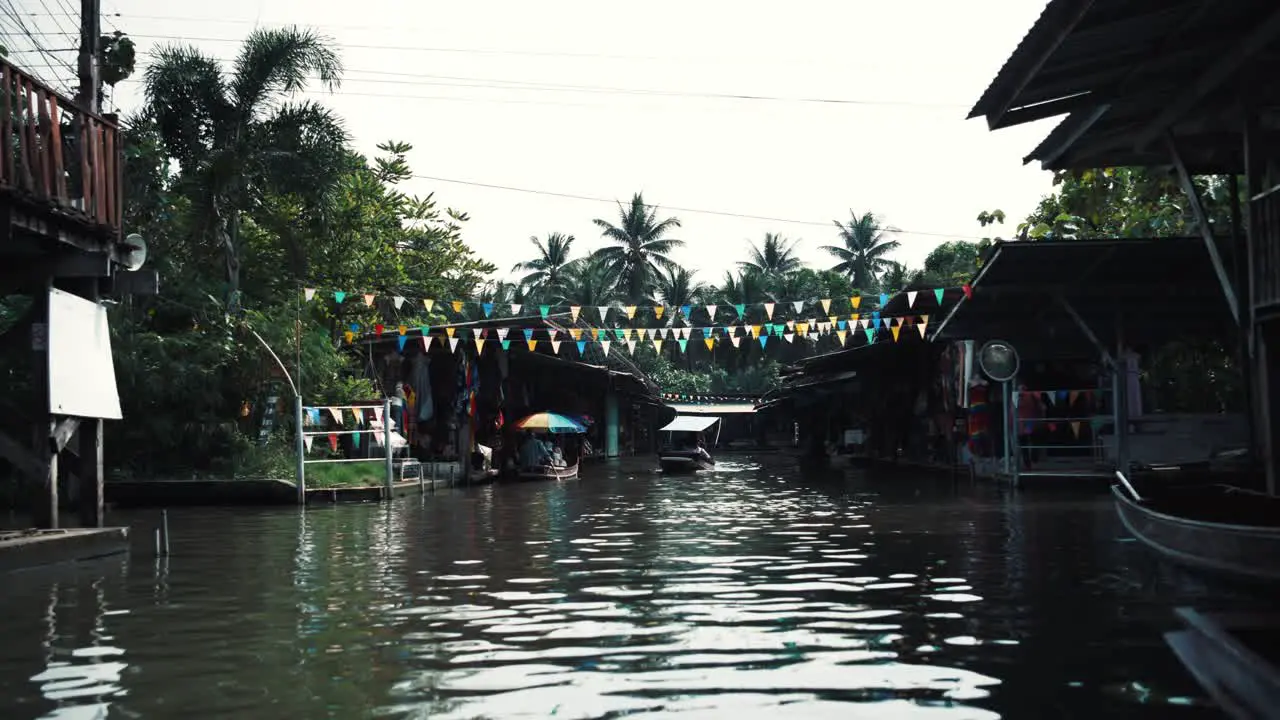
748, 592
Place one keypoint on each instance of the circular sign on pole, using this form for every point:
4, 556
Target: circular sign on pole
999, 360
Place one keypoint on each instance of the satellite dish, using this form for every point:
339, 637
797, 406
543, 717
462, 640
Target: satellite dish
133, 252
999, 360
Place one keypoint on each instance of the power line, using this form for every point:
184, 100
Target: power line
426, 79
673, 208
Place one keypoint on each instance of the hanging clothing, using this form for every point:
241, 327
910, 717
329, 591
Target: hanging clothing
420, 379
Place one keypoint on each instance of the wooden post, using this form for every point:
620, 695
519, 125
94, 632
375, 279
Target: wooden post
45, 503
91, 473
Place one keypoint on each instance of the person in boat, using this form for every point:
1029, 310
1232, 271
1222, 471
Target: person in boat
533, 452
701, 448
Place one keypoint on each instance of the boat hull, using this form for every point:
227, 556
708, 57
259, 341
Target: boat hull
547, 473
678, 463
1243, 552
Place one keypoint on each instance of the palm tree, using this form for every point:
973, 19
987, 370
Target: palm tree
773, 258
236, 138
640, 252
588, 281
547, 271
898, 277
676, 286
866, 245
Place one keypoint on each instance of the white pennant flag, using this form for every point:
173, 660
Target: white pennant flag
644, 333
573, 312
604, 345
475, 332
453, 344
502, 333
789, 337
604, 312
631, 346
426, 342
711, 312
555, 347
398, 300
308, 293
911, 298
768, 310
515, 308
337, 414
798, 305
307, 440
922, 324
735, 340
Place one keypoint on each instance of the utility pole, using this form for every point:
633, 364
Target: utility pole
90, 49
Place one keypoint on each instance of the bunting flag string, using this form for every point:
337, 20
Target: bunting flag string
712, 310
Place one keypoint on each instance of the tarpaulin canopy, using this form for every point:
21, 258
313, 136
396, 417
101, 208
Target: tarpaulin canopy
690, 423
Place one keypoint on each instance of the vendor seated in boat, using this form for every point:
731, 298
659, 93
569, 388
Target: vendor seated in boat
701, 449
534, 452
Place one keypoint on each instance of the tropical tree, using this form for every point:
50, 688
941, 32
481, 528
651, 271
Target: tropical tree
587, 281
236, 138
865, 248
546, 271
951, 263
640, 249
676, 286
774, 257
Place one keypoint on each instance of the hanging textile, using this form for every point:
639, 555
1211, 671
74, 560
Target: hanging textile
420, 379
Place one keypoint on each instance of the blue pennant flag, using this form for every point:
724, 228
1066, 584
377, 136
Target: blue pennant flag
488, 309
528, 334
401, 340
884, 299
582, 346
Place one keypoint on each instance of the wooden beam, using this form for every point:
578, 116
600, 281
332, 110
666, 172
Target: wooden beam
62, 431
1069, 137
1073, 12
1213, 77
1206, 232
91, 473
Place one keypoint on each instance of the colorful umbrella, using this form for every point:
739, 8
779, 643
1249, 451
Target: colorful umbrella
551, 423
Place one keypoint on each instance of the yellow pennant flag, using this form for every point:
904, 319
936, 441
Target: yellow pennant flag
449, 331
755, 331
710, 341
657, 345
895, 330
826, 305
631, 312
802, 328
350, 336
657, 311
840, 335
831, 319
576, 333
855, 301
428, 303
479, 345
457, 306
532, 344
644, 333
404, 329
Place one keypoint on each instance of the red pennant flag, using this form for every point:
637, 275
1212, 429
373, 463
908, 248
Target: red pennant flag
968, 291
377, 329
333, 442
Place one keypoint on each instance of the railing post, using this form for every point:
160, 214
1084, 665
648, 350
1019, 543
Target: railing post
386, 442
300, 446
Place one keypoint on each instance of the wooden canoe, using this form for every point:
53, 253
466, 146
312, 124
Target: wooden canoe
1214, 528
548, 473
683, 461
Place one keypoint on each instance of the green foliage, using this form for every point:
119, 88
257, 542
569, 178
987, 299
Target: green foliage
116, 58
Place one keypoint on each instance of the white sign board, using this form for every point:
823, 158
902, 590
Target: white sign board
82, 373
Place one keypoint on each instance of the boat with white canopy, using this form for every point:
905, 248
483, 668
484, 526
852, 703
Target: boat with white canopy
684, 448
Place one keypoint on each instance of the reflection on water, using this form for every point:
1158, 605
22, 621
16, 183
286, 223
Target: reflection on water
749, 590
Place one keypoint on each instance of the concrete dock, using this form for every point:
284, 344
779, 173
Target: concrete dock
31, 548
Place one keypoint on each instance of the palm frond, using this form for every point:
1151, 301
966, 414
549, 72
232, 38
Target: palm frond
277, 62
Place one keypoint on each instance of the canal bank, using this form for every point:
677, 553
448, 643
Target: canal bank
770, 590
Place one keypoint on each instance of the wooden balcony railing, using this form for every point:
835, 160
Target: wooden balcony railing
1265, 212
56, 155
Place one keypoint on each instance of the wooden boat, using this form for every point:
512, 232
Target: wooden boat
1218, 528
686, 457
1233, 657
548, 472
681, 461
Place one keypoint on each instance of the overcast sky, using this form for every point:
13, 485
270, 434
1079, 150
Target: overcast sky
484, 90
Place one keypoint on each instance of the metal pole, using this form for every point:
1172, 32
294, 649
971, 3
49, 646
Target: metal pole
1015, 442
1007, 416
386, 441
300, 447
164, 523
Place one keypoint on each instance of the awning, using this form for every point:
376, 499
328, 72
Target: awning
690, 423
713, 408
